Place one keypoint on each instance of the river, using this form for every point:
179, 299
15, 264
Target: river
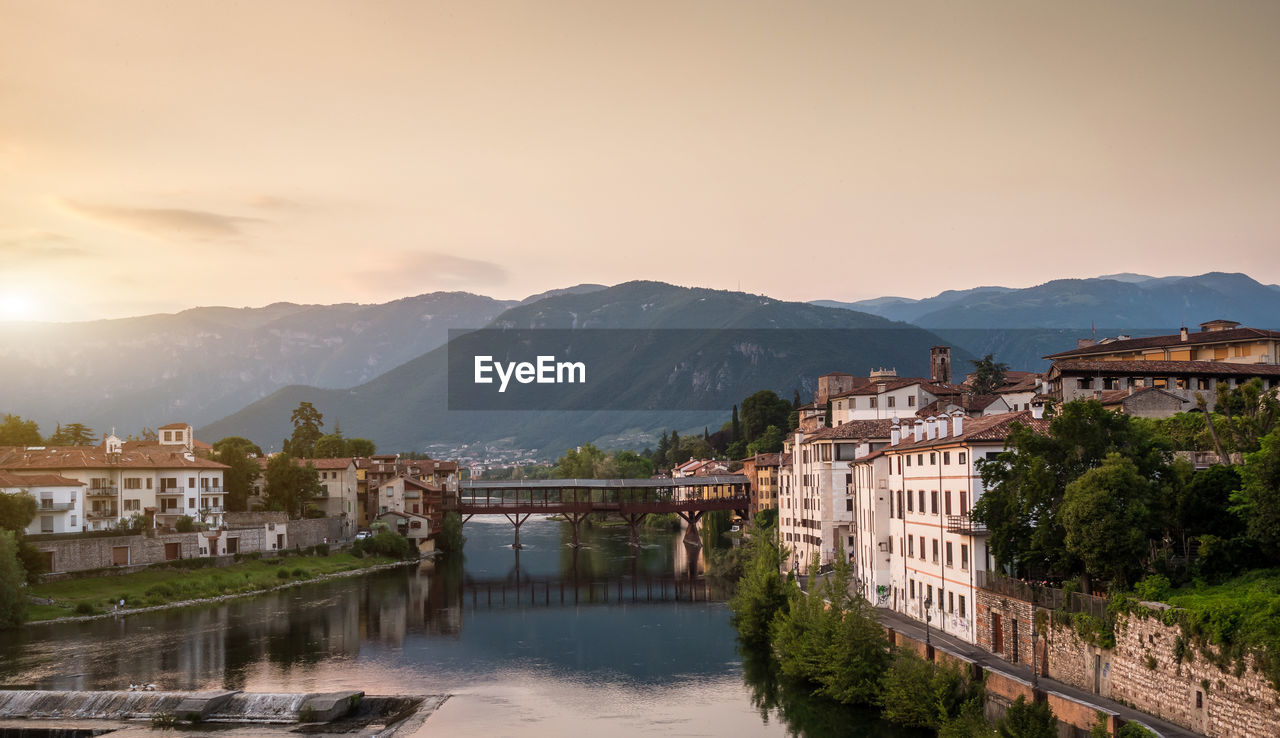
540, 642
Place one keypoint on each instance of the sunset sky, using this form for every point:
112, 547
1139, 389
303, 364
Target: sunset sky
156, 155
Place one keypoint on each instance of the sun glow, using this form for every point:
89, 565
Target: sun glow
16, 306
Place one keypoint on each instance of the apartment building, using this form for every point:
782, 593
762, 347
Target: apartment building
763, 471
918, 550
59, 500
815, 512
161, 481
373, 471
339, 499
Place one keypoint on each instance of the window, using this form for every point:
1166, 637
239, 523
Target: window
911, 546
964, 499
191, 502
913, 589
919, 459
951, 602
933, 458
921, 501
848, 505
900, 463
191, 482
947, 501
910, 498
962, 458
900, 504
933, 502
46, 523
929, 592
961, 605
911, 400
873, 401
964, 556
168, 435
946, 457
133, 505
133, 483
935, 550
892, 401
148, 482
949, 562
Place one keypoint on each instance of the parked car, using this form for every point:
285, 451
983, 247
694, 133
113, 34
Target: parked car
361, 535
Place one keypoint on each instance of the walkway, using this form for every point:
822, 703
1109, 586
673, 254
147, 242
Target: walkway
991, 662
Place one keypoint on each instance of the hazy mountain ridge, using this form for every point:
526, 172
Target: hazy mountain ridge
406, 408
203, 363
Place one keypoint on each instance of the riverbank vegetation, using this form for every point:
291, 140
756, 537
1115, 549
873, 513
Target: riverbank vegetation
827, 643
188, 579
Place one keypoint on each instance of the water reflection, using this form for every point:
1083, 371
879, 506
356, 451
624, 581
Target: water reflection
629, 642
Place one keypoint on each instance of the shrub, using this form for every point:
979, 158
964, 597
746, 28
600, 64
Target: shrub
282, 573
85, 608
1154, 588
164, 721
185, 524
322, 549
298, 571
1028, 720
919, 694
1134, 730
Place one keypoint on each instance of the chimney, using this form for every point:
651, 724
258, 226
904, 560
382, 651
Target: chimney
895, 435
917, 431
943, 426
1183, 333
957, 421
1037, 409
931, 427
1084, 342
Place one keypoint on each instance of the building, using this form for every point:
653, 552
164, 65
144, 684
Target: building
1217, 340
915, 541
339, 500
815, 512
373, 471
1084, 379
59, 500
763, 471
160, 481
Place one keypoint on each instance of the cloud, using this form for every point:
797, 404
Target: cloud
33, 246
164, 222
429, 270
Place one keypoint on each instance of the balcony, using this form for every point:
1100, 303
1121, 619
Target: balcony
966, 525
173, 491
210, 490
103, 492
109, 513
211, 510
49, 506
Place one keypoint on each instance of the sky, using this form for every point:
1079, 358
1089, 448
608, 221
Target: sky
156, 156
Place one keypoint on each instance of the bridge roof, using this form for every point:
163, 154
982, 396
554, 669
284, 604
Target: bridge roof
708, 481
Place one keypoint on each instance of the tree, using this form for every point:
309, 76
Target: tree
1025, 485
660, 453
584, 462
331, 446
361, 447
631, 465
307, 422
289, 485
761, 410
13, 598
17, 511
1106, 514
241, 455
769, 442
917, 693
736, 426
761, 592
988, 375
73, 434
1028, 720
15, 431
1258, 500
1250, 412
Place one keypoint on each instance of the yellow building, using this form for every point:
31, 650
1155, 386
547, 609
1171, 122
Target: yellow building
1217, 340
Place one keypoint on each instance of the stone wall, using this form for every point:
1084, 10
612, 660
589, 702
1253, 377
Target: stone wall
313, 531
1071, 660
1010, 611
1194, 693
98, 552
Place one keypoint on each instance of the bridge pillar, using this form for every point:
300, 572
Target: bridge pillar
691, 537
575, 519
517, 519
633, 521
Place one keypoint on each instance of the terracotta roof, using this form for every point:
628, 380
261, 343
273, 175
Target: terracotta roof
174, 426
1115, 397
9, 479
90, 457
1193, 339
853, 429
1165, 368
964, 402
988, 428
767, 460
334, 463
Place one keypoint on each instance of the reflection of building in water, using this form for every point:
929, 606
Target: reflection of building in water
441, 609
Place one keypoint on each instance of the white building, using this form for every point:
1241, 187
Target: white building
815, 512
916, 540
59, 500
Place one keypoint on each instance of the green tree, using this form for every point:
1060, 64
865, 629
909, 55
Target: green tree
331, 446
660, 453
17, 511
73, 434
761, 592
289, 485
1025, 485
583, 462
919, 694
761, 410
1106, 514
1258, 500
13, 598
769, 442
241, 455
361, 447
307, 422
450, 538
1028, 720
632, 465
1248, 411
988, 375
735, 430
15, 431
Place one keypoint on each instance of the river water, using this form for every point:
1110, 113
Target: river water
539, 642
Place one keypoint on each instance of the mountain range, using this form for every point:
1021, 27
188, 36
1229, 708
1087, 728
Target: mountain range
379, 369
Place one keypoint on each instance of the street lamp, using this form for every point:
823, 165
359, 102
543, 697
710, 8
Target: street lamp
928, 616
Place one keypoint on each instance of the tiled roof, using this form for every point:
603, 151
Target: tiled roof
988, 428
89, 457
853, 429
1193, 339
1115, 397
1165, 368
173, 426
334, 463
9, 479
965, 402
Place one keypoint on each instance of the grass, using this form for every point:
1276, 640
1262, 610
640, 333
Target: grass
163, 585
1241, 615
